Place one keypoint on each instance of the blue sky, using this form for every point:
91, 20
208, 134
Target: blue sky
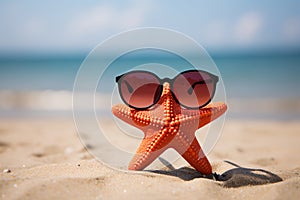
77, 26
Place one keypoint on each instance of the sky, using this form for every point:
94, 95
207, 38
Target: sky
73, 26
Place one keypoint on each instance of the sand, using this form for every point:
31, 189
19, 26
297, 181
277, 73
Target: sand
44, 159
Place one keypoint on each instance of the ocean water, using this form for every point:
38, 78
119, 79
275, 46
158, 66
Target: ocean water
257, 86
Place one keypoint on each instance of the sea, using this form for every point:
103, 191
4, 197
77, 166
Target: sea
258, 86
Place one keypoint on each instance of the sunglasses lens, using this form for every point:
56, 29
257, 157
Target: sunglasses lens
139, 89
194, 89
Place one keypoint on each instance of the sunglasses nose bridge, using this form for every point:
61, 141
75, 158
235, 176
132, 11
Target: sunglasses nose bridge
166, 80
167, 88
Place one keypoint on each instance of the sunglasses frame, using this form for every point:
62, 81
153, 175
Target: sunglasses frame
171, 82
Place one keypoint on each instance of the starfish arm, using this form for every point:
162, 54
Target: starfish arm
193, 154
131, 116
150, 148
206, 114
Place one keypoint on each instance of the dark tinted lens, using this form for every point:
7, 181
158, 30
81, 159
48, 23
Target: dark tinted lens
139, 89
194, 89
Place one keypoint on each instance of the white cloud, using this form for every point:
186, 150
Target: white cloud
248, 27
216, 32
23, 29
107, 18
291, 30
223, 32
34, 28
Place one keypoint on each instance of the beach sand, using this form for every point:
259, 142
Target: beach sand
44, 159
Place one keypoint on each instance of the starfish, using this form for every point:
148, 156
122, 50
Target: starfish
168, 125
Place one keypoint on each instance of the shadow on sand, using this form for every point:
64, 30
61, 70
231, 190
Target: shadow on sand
236, 177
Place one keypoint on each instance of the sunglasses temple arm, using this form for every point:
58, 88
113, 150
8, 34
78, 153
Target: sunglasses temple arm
130, 89
190, 90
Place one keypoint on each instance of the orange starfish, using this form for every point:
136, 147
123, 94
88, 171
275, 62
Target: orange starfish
167, 125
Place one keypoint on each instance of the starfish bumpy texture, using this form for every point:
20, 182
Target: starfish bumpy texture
168, 125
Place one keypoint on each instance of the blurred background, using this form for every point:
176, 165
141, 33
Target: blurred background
255, 44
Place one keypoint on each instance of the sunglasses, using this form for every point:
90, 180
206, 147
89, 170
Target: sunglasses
191, 89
